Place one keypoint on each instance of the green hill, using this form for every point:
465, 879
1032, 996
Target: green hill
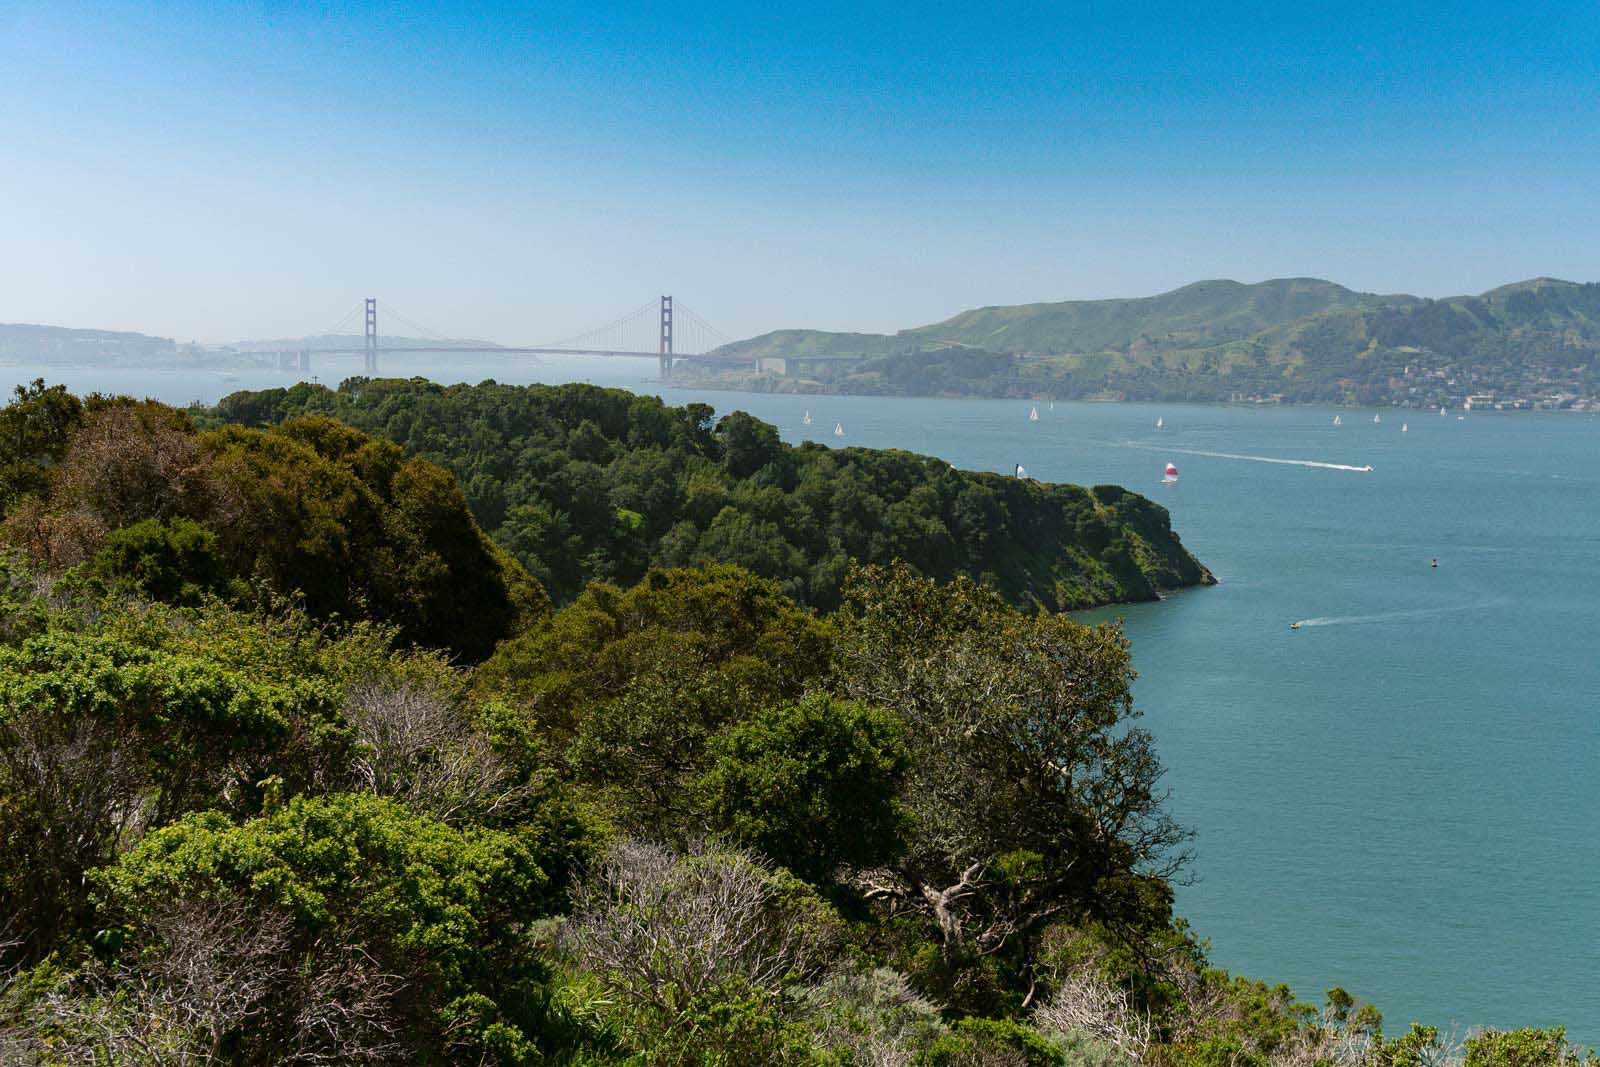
1529, 343
1201, 314
580, 483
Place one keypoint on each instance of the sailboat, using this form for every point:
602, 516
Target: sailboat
1376, 419
1033, 414
1337, 421
1160, 422
807, 418
1022, 472
838, 429
1441, 409
1170, 475
1404, 428
1052, 405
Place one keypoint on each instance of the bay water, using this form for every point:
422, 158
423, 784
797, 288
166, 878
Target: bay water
1399, 796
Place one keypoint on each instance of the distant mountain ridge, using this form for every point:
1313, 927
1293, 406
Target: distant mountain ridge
1286, 338
351, 341
29, 342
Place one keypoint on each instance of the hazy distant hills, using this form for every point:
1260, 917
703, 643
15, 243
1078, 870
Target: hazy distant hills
1291, 338
351, 341
22, 342
26, 343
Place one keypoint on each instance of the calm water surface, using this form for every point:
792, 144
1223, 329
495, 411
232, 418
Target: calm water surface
1399, 797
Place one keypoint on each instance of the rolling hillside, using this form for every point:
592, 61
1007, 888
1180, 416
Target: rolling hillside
1529, 343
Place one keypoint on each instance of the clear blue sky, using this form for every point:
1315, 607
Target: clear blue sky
219, 170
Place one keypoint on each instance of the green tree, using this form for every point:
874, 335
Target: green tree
101, 737
1525, 1048
813, 785
173, 561
1032, 796
34, 431
361, 878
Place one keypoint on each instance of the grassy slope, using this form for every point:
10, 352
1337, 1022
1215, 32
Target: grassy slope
1296, 334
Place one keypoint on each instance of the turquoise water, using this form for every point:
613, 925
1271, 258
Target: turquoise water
1399, 797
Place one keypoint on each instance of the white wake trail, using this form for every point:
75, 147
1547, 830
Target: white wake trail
1394, 616
1257, 459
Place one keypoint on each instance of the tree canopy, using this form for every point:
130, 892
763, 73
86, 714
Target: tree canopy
581, 483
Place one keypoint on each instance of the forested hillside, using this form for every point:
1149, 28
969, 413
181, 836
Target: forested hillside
126, 490
579, 483
1534, 342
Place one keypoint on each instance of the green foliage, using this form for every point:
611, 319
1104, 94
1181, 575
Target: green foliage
176, 562
1032, 797
34, 430
627, 688
1417, 1047
101, 736
311, 508
812, 785
869, 1017
443, 908
584, 484
974, 1042
1524, 1048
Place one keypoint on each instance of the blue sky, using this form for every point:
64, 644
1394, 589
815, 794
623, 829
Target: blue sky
224, 170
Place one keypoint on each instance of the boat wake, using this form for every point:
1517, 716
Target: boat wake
1389, 616
1259, 459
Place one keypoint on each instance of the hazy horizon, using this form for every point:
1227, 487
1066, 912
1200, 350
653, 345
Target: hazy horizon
403, 332
224, 174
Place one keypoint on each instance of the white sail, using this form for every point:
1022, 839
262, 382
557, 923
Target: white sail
1033, 414
807, 419
838, 429
1337, 421
1377, 419
1404, 428
1160, 422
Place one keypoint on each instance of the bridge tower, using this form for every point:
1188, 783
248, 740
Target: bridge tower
372, 337
666, 337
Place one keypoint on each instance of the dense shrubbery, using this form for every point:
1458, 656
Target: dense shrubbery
687, 823
132, 492
581, 483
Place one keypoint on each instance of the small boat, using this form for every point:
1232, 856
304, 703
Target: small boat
1022, 472
838, 429
1441, 410
1033, 414
807, 418
1404, 428
1337, 421
1160, 422
1365, 470
1376, 419
1170, 475
1294, 626
1052, 405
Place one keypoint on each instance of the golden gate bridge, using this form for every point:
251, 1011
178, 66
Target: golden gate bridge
658, 329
